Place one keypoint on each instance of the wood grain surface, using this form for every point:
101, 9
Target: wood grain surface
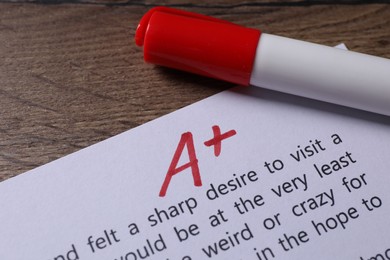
71, 75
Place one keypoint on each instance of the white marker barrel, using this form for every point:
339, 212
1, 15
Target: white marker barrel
324, 73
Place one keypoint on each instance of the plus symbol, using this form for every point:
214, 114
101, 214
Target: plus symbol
218, 138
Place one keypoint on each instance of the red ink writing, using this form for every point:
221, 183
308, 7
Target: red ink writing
185, 141
218, 138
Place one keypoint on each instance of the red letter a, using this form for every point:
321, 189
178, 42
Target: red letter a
186, 140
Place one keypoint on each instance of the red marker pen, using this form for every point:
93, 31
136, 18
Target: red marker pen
223, 50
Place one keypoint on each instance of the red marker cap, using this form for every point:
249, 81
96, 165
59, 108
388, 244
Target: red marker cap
197, 43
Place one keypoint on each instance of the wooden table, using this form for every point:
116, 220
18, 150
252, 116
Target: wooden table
72, 76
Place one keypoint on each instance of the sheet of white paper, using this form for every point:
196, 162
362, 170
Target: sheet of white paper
342, 46
285, 178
